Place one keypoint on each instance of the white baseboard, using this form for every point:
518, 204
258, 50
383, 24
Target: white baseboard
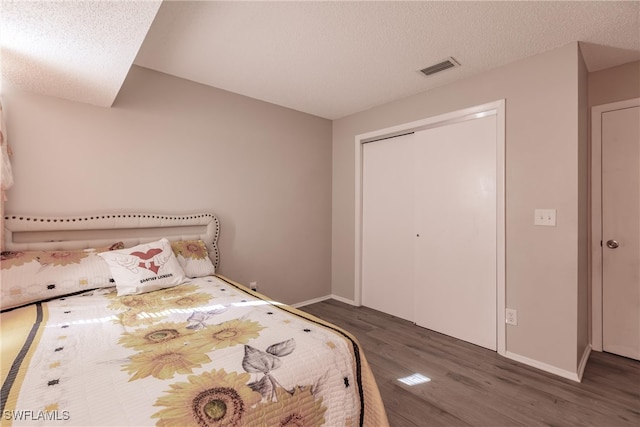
311, 301
324, 298
583, 361
344, 300
573, 376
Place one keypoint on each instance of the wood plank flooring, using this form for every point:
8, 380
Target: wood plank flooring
473, 386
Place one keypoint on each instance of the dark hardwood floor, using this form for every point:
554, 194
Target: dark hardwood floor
472, 386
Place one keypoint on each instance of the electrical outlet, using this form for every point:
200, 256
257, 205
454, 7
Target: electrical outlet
545, 217
511, 317
253, 286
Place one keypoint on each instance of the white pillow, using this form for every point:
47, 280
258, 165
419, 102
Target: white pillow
144, 268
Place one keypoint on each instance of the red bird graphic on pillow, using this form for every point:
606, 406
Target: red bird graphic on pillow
151, 260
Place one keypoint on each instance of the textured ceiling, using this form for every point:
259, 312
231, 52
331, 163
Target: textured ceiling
330, 59
78, 50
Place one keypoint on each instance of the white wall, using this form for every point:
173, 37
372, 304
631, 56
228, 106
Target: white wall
543, 170
174, 146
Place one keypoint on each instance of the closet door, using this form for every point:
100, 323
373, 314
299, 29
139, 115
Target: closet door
455, 218
387, 226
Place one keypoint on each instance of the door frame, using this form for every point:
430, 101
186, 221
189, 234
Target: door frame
596, 215
496, 108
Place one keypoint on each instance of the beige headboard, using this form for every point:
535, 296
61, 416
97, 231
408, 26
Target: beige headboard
23, 232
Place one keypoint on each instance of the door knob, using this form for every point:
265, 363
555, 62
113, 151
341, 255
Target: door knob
612, 244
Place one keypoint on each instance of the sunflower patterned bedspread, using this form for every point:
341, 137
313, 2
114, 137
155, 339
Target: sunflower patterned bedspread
208, 352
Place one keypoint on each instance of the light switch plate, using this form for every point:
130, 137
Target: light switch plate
545, 217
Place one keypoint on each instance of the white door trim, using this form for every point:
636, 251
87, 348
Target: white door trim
497, 108
596, 215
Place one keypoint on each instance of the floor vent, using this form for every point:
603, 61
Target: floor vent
440, 66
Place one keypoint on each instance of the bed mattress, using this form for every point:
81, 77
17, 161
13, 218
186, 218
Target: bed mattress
207, 352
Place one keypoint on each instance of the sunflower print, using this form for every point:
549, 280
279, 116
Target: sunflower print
115, 247
9, 259
300, 408
230, 333
61, 258
164, 361
52, 407
135, 318
178, 291
194, 249
190, 301
110, 293
143, 302
161, 333
215, 398
15, 292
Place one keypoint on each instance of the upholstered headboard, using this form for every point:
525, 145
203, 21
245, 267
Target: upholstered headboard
23, 232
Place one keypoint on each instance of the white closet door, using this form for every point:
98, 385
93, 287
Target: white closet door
455, 217
387, 226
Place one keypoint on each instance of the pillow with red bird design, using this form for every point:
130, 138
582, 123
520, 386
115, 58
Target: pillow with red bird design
144, 268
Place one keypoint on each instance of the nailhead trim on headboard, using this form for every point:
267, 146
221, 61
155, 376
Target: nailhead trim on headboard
114, 216
106, 217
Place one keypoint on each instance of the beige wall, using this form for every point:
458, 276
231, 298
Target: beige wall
170, 145
543, 170
584, 225
266, 172
614, 84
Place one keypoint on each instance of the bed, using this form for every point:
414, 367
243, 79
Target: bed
100, 328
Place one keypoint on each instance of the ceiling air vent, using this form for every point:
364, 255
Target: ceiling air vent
440, 66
